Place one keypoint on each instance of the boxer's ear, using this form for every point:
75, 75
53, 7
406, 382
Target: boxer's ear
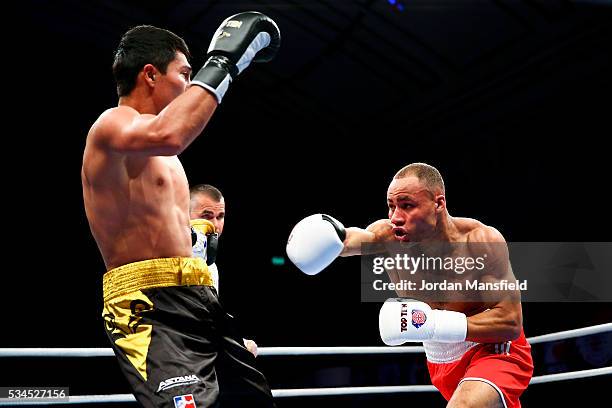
440, 201
150, 72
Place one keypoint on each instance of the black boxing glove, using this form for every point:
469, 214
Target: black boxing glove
239, 40
212, 248
204, 240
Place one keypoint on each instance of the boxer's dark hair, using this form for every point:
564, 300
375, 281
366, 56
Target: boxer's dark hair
427, 174
143, 45
208, 190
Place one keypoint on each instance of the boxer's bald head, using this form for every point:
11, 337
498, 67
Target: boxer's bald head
428, 176
416, 202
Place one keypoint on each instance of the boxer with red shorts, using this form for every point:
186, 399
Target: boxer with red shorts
476, 350
507, 367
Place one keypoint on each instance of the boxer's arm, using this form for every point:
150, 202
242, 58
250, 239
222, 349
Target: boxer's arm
239, 40
125, 130
378, 231
317, 240
503, 320
354, 238
402, 320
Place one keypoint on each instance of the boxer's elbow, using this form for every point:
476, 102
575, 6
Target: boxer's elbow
156, 143
169, 143
495, 325
169, 136
174, 147
175, 139
511, 326
512, 333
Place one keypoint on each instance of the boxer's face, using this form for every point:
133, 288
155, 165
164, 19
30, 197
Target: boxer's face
174, 82
412, 209
203, 206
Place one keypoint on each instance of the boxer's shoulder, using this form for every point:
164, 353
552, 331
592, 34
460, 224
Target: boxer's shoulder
113, 118
475, 231
485, 234
489, 242
109, 122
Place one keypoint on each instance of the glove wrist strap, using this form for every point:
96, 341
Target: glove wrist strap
450, 326
215, 76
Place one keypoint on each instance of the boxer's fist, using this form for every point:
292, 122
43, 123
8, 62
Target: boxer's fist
251, 346
246, 37
315, 242
403, 320
204, 240
239, 40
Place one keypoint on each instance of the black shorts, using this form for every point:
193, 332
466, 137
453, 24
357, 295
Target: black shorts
177, 346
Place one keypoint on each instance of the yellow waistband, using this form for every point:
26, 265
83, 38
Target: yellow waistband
154, 273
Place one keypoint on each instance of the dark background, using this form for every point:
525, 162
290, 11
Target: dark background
509, 99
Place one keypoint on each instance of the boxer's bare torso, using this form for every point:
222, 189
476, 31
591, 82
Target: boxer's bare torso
417, 214
490, 321
471, 233
137, 205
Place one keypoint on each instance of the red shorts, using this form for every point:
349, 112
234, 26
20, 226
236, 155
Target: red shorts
507, 367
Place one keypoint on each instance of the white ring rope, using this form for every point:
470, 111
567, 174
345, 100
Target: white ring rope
571, 375
568, 334
294, 351
56, 352
75, 399
320, 392
320, 351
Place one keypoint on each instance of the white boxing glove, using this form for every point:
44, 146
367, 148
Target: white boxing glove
403, 320
315, 242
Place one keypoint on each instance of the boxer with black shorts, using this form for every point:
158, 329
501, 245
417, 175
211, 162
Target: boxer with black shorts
175, 343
